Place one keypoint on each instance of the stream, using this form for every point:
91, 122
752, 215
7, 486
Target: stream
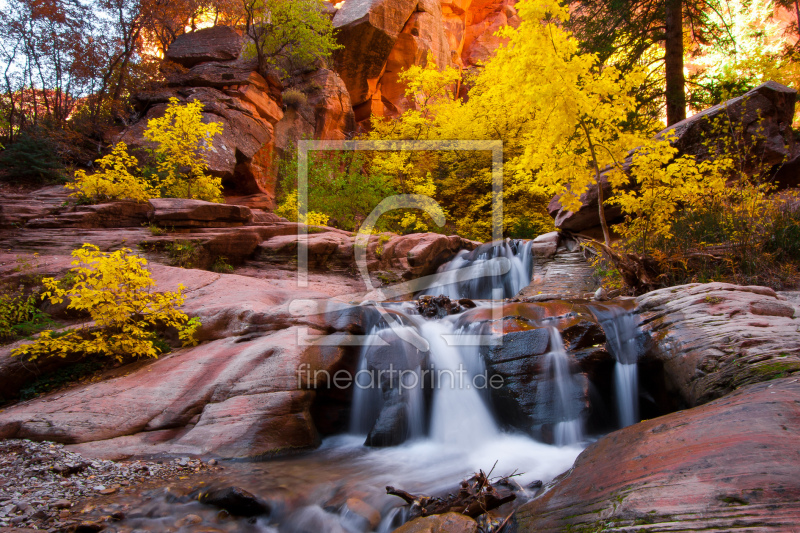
434, 425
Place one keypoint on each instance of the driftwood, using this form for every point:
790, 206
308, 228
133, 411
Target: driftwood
476, 496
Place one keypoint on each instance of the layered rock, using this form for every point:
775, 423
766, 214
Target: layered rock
719, 467
383, 38
710, 339
327, 113
763, 117
530, 399
219, 43
247, 105
238, 394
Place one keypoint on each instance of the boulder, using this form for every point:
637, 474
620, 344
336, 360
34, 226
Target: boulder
235, 95
764, 115
405, 256
527, 398
218, 43
180, 212
417, 254
710, 339
441, 523
719, 467
235, 500
392, 426
242, 154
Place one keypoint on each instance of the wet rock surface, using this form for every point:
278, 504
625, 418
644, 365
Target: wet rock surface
440, 306
713, 338
44, 483
445, 523
730, 464
234, 500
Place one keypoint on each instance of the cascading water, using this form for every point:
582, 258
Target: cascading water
459, 413
519, 266
568, 428
622, 334
447, 430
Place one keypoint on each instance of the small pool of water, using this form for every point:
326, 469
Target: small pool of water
314, 492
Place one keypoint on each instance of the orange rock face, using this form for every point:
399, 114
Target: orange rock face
378, 45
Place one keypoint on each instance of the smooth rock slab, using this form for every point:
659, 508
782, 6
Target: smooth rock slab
715, 337
732, 464
187, 213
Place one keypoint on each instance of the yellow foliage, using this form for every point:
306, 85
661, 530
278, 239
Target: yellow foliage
289, 210
15, 309
115, 181
116, 289
182, 140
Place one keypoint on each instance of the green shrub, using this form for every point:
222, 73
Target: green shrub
184, 253
294, 98
33, 160
221, 265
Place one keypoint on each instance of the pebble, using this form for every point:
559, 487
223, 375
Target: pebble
49, 479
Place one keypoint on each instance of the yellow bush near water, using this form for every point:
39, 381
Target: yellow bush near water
182, 140
116, 289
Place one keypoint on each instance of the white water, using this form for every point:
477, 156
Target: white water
569, 428
459, 413
621, 332
518, 276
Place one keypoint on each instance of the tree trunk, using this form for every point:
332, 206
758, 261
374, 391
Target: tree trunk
673, 59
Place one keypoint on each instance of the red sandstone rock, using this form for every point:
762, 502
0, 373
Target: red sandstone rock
219, 43
713, 338
180, 212
246, 391
728, 465
443, 523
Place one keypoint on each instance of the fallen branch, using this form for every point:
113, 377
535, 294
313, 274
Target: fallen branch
475, 497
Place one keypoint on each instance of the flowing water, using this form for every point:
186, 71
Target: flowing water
508, 267
622, 333
439, 412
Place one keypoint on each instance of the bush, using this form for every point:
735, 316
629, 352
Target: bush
19, 316
116, 290
180, 169
294, 99
183, 253
32, 159
222, 266
183, 140
115, 181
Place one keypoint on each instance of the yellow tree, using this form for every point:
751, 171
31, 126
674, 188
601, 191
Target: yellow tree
182, 140
574, 117
116, 289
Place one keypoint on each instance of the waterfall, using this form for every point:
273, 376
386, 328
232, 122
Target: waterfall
518, 275
568, 427
459, 414
622, 335
367, 395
